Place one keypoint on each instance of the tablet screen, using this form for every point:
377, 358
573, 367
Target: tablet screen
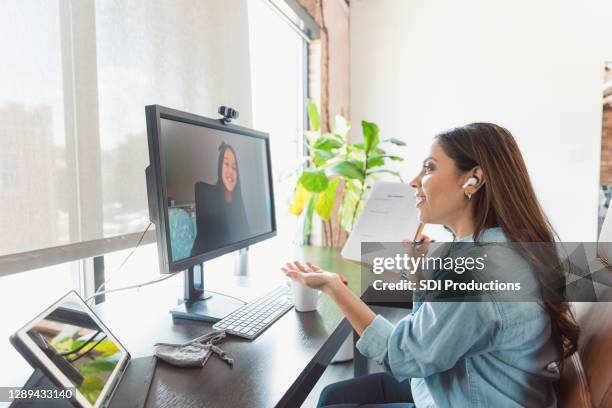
76, 348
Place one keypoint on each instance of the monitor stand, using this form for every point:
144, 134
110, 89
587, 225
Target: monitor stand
201, 305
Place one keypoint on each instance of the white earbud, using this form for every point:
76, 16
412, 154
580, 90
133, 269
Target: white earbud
471, 182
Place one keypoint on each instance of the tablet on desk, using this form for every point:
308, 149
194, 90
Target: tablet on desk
75, 351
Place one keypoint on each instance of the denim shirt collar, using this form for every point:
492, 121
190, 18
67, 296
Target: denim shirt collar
495, 234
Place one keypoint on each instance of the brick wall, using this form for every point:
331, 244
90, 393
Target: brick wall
329, 79
605, 174
329, 72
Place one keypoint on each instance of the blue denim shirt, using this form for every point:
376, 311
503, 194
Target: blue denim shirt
471, 354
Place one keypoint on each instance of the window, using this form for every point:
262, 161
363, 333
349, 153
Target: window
278, 82
34, 152
72, 108
75, 79
190, 56
277, 101
33, 167
9, 174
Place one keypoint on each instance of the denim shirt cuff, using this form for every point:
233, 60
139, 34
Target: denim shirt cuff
374, 339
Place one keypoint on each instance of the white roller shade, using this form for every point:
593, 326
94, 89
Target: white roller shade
75, 78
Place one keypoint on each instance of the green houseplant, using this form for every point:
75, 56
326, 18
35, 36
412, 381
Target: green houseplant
333, 161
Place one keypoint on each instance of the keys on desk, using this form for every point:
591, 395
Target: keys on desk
256, 316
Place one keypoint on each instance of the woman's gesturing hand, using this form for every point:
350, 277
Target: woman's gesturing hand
358, 313
310, 275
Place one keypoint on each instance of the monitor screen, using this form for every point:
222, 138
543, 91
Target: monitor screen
217, 187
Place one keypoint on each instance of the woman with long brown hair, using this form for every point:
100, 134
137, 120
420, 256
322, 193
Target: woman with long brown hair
479, 354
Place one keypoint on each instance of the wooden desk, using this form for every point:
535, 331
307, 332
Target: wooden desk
279, 368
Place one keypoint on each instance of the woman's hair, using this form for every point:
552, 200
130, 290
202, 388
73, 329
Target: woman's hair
507, 200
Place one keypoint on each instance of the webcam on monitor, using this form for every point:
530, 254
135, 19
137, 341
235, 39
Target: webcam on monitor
228, 114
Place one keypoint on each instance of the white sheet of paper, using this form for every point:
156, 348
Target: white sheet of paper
389, 215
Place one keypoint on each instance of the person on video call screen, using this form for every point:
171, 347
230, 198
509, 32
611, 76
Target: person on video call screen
220, 214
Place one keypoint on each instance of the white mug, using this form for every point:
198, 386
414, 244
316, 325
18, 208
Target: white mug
304, 298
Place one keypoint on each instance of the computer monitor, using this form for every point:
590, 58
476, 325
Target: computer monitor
210, 193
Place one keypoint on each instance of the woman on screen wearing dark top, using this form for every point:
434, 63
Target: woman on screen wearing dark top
220, 215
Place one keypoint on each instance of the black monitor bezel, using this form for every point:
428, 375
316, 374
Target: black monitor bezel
154, 114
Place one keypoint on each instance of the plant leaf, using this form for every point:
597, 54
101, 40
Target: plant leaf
313, 116
397, 142
107, 347
379, 159
321, 157
328, 142
314, 180
376, 161
351, 199
308, 218
357, 156
300, 199
357, 146
326, 199
91, 388
66, 345
352, 169
370, 135
98, 367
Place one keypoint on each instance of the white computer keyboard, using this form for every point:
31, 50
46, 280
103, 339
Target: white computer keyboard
256, 316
